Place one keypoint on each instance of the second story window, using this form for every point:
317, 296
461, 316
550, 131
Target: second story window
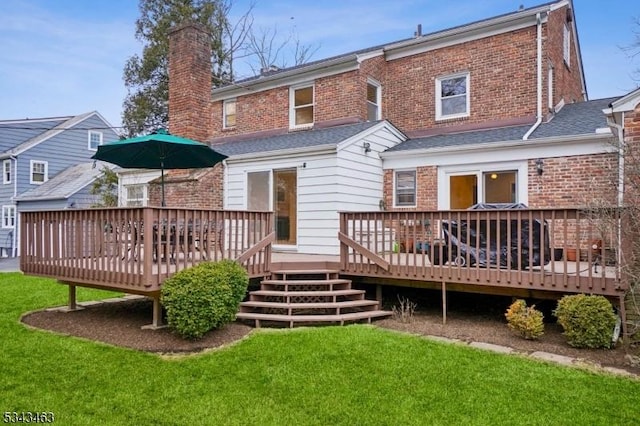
229, 114
6, 171
452, 96
373, 101
95, 140
566, 45
405, 188
301, 106
39, 172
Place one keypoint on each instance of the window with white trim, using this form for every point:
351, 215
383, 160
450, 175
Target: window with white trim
301, 106
6, 171
373, 101
404, 188
95, 140
39, 172
8, 216
452, 96
135, 196
229, 114
566, 45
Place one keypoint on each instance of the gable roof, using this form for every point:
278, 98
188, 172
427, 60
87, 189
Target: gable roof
17, 136
298, 140
66, 183
506, 22
577, 119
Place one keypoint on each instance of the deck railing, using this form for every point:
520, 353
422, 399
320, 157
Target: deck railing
562, 250
136, 249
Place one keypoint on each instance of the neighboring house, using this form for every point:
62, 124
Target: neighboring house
33, 151
69, 189
492, 111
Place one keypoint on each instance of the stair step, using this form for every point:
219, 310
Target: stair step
349, 292
295, 272
319, 305
306, 282
313, 318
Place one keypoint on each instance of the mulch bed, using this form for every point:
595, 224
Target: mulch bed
121, 323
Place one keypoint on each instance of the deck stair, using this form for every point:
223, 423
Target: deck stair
308, 296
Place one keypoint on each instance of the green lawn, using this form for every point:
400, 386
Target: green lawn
355, 375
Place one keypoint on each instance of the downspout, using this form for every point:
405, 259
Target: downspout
539, 88
620, 133
16, 228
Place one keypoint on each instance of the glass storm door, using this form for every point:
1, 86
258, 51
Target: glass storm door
285, 205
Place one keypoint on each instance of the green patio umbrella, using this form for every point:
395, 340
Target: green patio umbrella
159, 150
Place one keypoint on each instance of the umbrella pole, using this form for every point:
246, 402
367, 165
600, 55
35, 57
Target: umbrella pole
162, 184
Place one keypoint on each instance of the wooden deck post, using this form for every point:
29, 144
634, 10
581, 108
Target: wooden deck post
156, 321
379, 294
73, 305
444, 303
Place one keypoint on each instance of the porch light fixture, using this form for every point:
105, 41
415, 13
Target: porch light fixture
494, 176
367, 147
539, 166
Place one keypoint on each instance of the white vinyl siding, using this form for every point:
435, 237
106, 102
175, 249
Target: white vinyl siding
301, 106
8, 216
452, 96
39, 172
95, 140
6, 171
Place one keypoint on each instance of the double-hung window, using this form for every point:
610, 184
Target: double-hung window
6, 171
229, 114
373, 101
95, 140
301, 106
405, 188
39, 172
135, 196
8, 216
452, 96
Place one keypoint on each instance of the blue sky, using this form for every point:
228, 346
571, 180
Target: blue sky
66, 57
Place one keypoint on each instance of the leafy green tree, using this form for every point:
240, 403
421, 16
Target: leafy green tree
106, 187
146, 77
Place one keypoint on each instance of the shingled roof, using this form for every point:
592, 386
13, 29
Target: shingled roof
580, 118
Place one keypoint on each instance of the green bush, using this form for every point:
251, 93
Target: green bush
204, 297
588, 321
525, 321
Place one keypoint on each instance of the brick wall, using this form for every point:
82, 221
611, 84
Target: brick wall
567, 83
201, 189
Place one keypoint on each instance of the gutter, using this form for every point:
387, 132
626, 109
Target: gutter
539, 70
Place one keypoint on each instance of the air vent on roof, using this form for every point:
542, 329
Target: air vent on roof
418, 32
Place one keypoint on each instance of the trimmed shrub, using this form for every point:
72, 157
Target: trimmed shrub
525, 321
204, 297
588, 321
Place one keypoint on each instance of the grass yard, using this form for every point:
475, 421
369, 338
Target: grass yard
354, 375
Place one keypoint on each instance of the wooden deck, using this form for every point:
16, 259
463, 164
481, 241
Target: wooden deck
136, 249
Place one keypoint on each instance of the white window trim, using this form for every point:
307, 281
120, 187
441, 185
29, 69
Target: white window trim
292, 109
566, 45
224, 113
378, 97
46, 171
407, 206
145, 194
522, 179
4, 172
439, 81
5, 215
93, 132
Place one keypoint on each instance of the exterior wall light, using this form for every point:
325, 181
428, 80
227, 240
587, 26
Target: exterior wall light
539, 166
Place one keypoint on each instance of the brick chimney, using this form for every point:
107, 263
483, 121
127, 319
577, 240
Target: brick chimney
189, 81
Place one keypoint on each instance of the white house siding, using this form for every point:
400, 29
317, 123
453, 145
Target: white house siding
317, 219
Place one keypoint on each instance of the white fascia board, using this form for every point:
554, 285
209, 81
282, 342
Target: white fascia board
507, 151
628, 102
479, 30
282, 153
288, 78
371, 130
368, 55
